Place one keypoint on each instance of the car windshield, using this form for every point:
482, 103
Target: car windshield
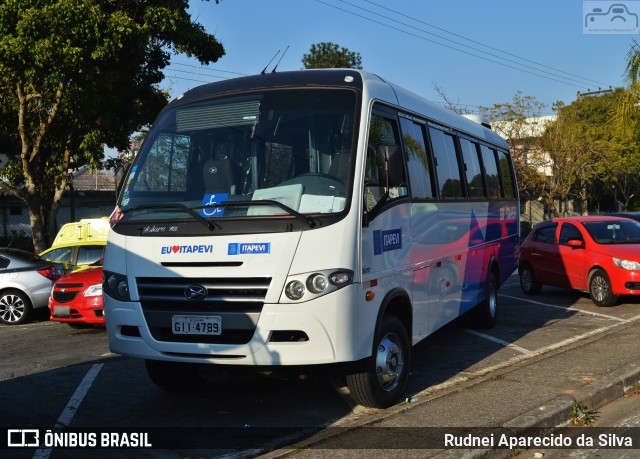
614, 232
218, 158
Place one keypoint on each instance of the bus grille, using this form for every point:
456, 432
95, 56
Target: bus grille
238, 301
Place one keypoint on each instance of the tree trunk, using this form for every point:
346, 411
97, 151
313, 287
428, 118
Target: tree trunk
39, 224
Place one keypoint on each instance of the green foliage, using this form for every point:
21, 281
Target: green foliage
519, 122
327, 55
585, 143
582, 416
626, 111
78, 74
584, 152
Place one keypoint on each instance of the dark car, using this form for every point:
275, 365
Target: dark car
599, 255
25, 284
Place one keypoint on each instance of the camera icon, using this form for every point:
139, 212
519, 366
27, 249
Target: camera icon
617, 18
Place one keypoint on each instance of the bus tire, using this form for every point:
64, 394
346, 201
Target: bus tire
174, 377
600, 289
382, 382
484, 315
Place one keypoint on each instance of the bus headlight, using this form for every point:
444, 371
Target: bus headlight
317, 283
307, 286
295, 290
116, 286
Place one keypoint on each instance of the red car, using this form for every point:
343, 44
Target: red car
599, 255
76, 298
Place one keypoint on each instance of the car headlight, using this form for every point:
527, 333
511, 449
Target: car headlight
304, 287
93, 290
116, 286
629, 265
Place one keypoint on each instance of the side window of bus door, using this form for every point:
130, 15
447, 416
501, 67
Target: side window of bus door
385, 175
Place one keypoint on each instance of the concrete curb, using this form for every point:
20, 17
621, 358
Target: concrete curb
557, 412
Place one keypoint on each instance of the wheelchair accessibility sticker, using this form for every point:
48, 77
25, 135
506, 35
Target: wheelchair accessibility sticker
210, 201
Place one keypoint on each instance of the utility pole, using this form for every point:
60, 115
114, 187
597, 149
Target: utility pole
594, 93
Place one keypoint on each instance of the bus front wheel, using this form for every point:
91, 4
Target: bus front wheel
382, 382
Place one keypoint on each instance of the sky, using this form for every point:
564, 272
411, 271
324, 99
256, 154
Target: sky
478, 53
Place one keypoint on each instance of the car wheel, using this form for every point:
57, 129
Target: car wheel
382, 382
15, 307
600, 289
174, 376
528, 281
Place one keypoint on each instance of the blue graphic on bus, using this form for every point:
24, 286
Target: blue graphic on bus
384, 241
248, 248
210, 200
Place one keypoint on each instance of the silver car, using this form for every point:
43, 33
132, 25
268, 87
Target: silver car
25, 284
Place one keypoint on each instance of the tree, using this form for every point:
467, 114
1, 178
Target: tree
585, 143
78, 74
520, 122
454, 106
617, 163
568, 154
327, 55
626, 110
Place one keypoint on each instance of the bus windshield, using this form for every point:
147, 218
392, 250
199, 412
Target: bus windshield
222, 157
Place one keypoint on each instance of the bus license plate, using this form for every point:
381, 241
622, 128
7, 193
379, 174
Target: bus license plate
196, 325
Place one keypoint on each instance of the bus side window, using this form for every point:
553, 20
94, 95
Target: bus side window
418, 161
506, 172
383, 142
491, 172
473, 172
446, 161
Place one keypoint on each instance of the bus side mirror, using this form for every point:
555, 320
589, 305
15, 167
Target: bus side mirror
121, 174
391, 164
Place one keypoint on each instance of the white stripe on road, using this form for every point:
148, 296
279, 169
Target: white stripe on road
565, 308
70, 410
502, 342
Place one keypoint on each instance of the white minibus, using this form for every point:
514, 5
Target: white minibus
314, 218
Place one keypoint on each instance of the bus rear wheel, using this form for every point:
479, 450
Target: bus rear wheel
174, 377
382, 382
485, 313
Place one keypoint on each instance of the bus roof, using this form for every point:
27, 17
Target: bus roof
371, 85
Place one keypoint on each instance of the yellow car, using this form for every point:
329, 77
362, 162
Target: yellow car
79, 244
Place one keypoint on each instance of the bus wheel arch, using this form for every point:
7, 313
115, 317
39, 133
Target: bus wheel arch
484, 314
380, 381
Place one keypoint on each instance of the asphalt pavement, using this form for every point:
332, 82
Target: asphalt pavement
501, 413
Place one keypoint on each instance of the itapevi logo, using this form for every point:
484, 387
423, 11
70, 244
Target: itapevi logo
611, 17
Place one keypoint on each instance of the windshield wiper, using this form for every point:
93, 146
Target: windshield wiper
174, 206
262, 202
